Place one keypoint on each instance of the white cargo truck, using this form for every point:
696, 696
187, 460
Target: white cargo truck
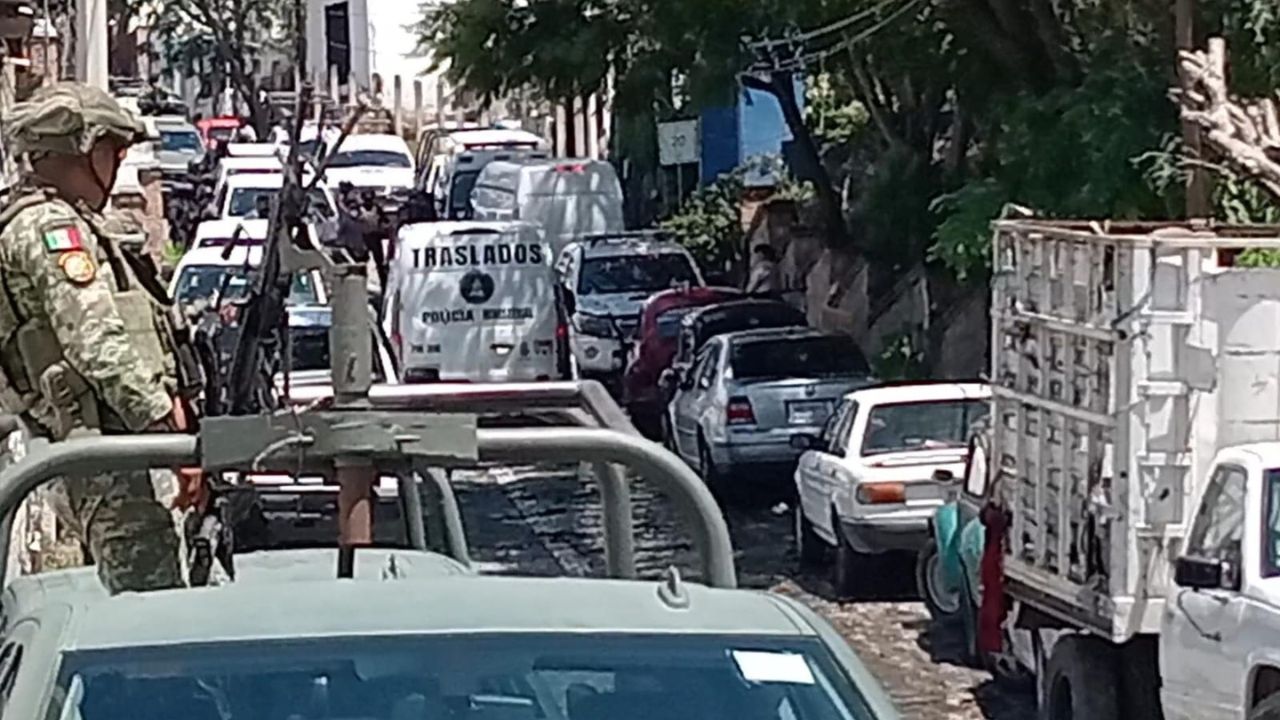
1136, 378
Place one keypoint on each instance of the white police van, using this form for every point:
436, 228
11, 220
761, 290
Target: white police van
475, 302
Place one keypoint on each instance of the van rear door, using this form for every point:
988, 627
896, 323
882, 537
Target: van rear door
480, 305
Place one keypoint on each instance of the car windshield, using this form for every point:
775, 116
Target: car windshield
202, 282
180, 141
635, 273
797, 357
378, 158
244, 200
500, 676
932, 425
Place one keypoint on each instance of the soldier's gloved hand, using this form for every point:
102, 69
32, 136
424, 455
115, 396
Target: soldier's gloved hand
193, 491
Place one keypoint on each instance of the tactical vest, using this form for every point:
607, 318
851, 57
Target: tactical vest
38, 382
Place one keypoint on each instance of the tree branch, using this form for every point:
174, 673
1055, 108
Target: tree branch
1245, 132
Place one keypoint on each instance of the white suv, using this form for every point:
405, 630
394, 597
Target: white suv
606, 279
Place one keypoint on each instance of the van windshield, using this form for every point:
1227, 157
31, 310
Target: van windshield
635, 273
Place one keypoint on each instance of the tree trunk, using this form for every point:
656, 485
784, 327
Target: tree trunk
782, 86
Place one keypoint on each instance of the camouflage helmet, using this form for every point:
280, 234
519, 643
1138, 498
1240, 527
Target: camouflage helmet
68, 119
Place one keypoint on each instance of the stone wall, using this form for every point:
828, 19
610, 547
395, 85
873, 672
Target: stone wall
831, 287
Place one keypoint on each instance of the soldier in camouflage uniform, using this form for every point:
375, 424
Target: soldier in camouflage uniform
85, 341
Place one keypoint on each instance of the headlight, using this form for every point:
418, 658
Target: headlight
593, 325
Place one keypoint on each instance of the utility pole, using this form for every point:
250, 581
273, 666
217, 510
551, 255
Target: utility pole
1199, 199
92, 42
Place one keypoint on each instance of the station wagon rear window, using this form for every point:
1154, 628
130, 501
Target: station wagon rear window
929, 425
797, 357
526, 676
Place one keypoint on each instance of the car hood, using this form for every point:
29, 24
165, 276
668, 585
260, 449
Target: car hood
370, 176
173, 159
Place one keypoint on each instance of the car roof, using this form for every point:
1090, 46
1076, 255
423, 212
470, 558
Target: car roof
283, 595
262, 180
627, 246
426, 233
675, 298
920, 392
249, 161
493, 136
374, 141
254, 228
779, 333
213, 256
737, 306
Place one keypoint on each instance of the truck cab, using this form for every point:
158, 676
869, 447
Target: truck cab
1220, 633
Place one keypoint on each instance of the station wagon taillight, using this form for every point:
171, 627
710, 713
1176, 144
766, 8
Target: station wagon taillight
571, 168
881, 493
739, 412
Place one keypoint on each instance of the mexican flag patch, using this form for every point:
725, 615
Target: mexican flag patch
63, 239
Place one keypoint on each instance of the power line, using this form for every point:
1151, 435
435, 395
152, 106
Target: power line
800, 61
836, 26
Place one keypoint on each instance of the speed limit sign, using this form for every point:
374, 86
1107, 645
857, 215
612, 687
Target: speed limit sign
678, 142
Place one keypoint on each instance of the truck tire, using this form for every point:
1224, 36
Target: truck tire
1268, 709
1139, 668
1079, 681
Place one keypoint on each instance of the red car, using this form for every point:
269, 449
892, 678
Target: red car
656, 347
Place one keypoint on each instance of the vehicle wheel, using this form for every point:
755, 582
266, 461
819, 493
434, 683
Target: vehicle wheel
811, 548
1268, 709
708, 471
931, 580
848, 565
1080, 681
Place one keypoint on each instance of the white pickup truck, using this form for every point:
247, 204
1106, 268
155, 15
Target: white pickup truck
1136, 414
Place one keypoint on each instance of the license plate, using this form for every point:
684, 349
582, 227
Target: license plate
808, 412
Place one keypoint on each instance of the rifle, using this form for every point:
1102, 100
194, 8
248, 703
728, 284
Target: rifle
247, 386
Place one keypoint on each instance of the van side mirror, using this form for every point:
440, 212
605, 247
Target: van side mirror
1200, 573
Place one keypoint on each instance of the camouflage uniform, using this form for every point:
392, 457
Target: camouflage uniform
83, 345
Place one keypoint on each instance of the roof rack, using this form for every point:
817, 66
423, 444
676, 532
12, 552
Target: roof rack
413, 430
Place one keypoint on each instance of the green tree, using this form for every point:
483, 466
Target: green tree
209, 37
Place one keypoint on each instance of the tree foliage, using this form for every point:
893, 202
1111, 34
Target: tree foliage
709, 223
931, 115
214, 39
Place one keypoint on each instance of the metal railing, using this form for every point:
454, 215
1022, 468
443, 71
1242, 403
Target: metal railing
600, 435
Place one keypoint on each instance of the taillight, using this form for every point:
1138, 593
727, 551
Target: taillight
881, 493
571, 167
562, 331
739, 412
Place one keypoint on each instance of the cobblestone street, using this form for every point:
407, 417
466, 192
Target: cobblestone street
543, 522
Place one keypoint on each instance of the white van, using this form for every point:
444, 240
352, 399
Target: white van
568, 198
475, 302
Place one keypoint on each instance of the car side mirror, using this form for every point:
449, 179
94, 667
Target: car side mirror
1200, 573
943, 475
805, 442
